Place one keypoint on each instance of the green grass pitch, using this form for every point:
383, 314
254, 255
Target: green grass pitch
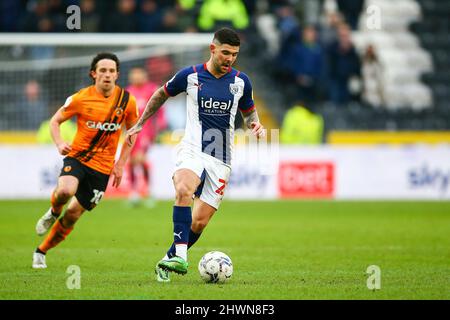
288, 250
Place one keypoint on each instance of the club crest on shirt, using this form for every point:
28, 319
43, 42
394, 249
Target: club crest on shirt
234, 88
119, 112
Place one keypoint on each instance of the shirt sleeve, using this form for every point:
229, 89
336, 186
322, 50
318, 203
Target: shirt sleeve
71, 106
246, 102
178, 83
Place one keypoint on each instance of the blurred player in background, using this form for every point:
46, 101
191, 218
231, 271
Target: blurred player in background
141, 88
214, 93
102, 109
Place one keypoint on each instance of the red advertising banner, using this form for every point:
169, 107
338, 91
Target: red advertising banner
306, 179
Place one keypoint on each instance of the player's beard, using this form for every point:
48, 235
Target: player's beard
222, 68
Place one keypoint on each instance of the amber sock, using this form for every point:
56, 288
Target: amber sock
57, 234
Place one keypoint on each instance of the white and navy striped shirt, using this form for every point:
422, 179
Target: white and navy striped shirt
212, 104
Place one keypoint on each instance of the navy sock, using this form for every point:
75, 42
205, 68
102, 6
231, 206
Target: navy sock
193, 237
182, 219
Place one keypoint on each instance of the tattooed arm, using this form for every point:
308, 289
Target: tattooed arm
155, 102
251, 120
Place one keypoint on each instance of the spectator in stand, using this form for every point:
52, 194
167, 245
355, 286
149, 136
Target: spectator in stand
301, 126
149, 17
31, 107
329, 25
43, 16
288, 27
186, 16
169, 22
91, 19
123, 19
37, 17
351, 9
311, 10
343, 64
307, 65
57, 11
328, 29
372, 75
223, 13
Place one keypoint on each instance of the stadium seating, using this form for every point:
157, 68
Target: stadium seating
412, 45
400, 54
433, 30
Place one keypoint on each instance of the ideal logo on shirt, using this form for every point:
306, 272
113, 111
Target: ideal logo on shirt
211, 106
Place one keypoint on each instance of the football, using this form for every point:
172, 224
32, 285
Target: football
215, 267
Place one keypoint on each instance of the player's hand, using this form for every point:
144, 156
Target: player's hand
132, 132
117, 173
64, 148
258, 129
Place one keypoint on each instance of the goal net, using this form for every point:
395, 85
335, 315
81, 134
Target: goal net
39, 71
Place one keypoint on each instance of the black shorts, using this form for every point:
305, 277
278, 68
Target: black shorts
92, 184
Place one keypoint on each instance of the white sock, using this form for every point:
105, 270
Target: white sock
181, 251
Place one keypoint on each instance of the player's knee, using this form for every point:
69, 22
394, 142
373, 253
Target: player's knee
183, 192
64, 193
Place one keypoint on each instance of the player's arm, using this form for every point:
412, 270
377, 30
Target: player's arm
247, 107
154, 103
251, 120
130, 121
125, 152
55, 131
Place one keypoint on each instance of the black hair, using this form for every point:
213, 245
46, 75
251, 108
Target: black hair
101, 56
227, 36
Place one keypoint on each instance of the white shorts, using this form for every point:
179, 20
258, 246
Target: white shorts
213, 173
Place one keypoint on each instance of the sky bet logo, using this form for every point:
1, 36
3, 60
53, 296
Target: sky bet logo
107, 126
211, 106
424, 177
